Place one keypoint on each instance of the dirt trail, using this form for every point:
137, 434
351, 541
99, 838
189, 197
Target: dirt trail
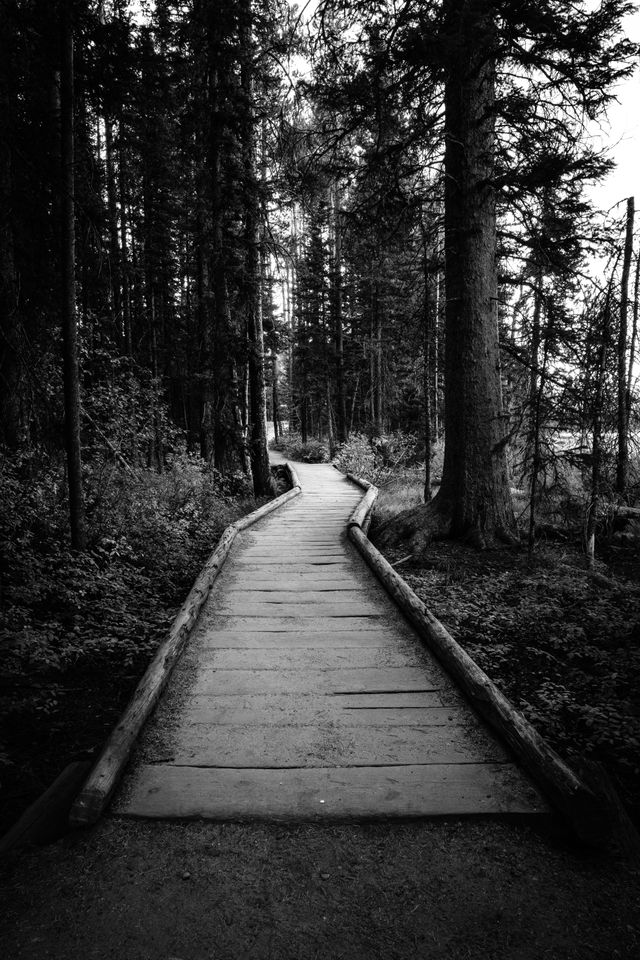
203, 891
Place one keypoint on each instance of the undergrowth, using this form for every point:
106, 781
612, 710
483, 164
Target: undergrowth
79, 628
380, 460
563, 644
294, 448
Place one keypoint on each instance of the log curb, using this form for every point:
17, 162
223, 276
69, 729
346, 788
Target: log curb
584, 811
98, 789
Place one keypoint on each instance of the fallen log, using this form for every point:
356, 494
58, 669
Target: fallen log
103, 779
584, 811
47, 817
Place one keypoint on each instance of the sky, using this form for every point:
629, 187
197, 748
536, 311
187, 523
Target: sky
623, 134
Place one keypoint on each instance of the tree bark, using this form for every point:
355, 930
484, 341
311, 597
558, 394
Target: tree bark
475, 486
221, 414
474, 500
336, 315
12, 419
67, 260
604, 334
622, 466
428, 324
258, 449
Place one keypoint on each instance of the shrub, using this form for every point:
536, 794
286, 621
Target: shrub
292, 446
378, 460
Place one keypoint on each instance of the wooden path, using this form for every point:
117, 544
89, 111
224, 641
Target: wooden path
303, 693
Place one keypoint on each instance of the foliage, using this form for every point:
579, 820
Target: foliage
293, 446
378, 459
100, 614
562, 643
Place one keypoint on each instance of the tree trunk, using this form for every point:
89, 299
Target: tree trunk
277, 430
225, 448
474, 500
12, 419
622, 466
596, 447
634, 337
427, 334
67, 260
336, 312
258, 449
127, 338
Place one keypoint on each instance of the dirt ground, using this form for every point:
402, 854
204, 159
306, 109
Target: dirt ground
396, 891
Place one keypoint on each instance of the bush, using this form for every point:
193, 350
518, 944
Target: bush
109, 606
378, 460
78, 629
292, 446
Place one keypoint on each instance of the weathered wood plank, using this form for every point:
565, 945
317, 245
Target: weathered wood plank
228, 637
285, 624
338, 565
277, 595
358, 793
305, 609
323, 745
269, 710
293, 588
213, 682
315, 658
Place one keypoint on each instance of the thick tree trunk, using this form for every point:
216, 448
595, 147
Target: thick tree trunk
258, 450
475, 487
67, 259
474, 500
12, 419
622, 466
221, 417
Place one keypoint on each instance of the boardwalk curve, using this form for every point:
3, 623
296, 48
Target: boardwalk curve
303, 694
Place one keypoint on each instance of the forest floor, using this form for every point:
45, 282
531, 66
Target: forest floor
421, 890
561, 641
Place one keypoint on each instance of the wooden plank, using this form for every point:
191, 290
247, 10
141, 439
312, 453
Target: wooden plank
294, 588
323, 745
268, 710
295, 556
307, 609
265, 625
227, 637
337, 564
355, 793
319, 658
290, 577
301, 595
299, 549
212, 682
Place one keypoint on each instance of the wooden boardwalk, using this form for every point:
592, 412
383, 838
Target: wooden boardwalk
303, 693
